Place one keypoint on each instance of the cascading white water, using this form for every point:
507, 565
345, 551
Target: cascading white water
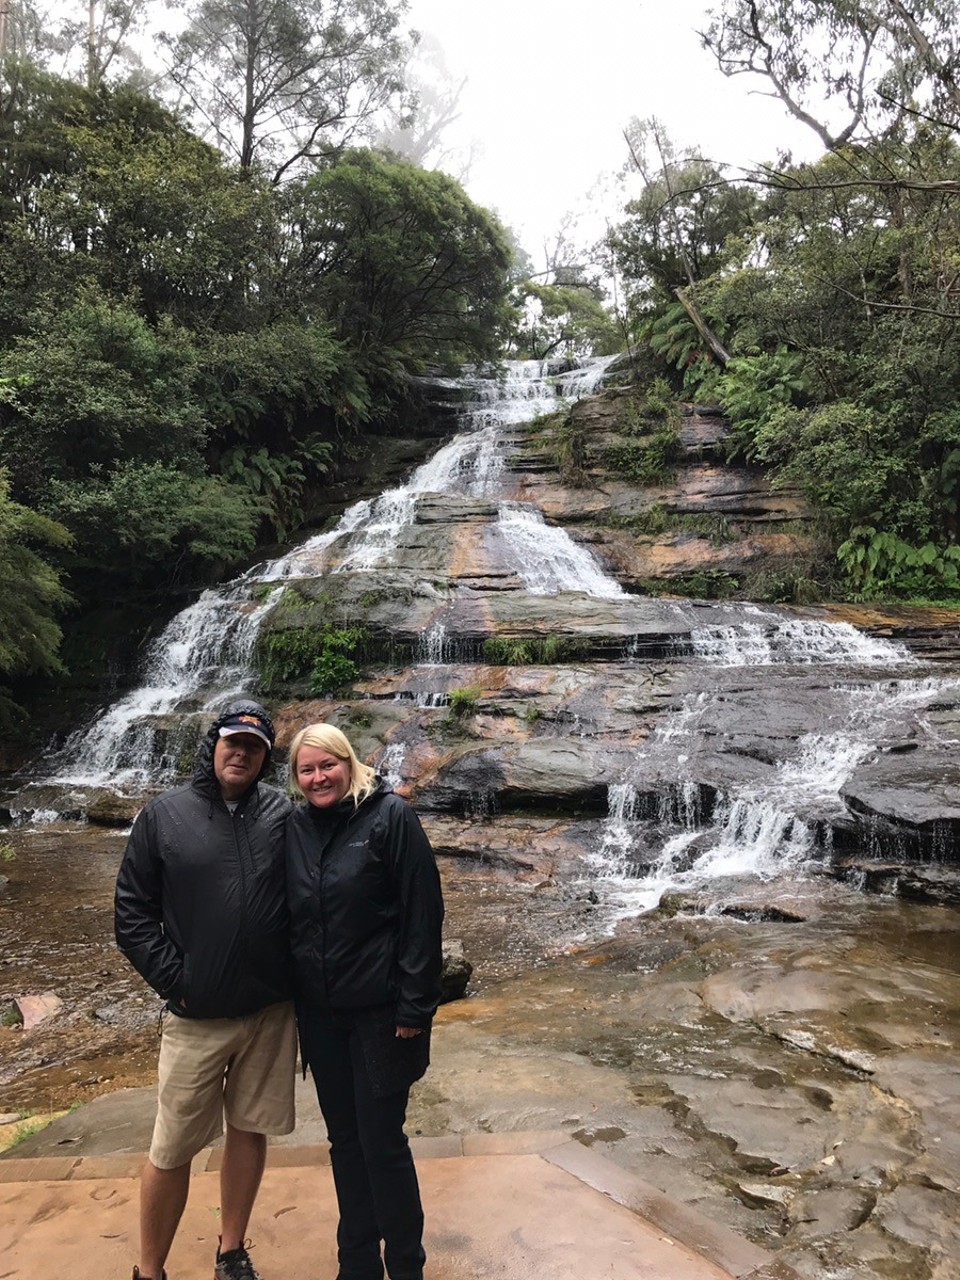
586, 380
521, 391
206, 647
433, 646
390, 765
203, 655
308, 559
792, 640
767, 828
469, 465
547, 559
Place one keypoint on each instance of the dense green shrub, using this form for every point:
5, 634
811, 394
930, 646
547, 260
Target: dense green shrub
514, 651
327, 656
334, 667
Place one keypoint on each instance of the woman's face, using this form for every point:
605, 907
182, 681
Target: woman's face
323, 778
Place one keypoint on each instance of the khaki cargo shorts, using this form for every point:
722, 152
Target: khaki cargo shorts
210, 1068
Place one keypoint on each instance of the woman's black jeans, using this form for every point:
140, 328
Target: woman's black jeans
373, 1171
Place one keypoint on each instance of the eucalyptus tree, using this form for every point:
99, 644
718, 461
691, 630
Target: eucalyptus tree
418, 128
672, 238
281, 83
849, 70
567, 319
22, 30
83, 39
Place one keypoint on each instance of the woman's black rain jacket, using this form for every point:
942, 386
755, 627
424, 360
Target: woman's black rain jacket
366, 908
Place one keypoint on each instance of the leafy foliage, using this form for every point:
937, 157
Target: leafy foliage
31, 596
93, 383
649, 447
109, 188
562, 319
516, 651
878, 563
835, 292
463, 702
675, 231
334, 667
405, 266
849, 71
277, 81
144, 521
327, 655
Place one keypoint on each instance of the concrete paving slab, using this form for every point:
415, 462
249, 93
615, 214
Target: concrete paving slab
732, 1251
127, 1165
511, 1206
512, 1213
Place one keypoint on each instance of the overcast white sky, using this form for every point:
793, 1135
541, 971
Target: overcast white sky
552, 83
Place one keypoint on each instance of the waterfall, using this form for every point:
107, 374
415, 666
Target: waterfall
206, 648
670, 823
767, 828
202, 657
391, 763
469, 466
793, 640
519, 392
433, 649
308, 559
547, 559
586, 380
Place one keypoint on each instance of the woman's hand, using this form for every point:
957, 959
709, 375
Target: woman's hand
407, 1033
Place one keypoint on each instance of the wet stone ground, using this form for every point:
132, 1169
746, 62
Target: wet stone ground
797, 1078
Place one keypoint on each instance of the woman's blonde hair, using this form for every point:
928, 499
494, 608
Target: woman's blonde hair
363, 779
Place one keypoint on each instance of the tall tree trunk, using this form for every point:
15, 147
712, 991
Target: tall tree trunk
704, 330
91, 45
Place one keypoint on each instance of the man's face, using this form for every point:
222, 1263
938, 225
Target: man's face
237, 761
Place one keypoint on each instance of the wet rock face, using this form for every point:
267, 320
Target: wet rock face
455, 973
794, 1078
919, 791
511, 695
502, 664
553, 739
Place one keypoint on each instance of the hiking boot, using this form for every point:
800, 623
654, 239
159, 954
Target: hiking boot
235, 1264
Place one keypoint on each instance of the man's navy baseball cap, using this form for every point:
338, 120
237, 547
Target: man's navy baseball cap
247, 722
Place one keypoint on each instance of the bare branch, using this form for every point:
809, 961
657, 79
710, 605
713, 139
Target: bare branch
889, 306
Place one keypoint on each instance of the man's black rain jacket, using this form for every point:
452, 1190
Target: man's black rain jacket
200, 906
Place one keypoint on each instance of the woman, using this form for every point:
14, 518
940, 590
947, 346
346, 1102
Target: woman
366, 912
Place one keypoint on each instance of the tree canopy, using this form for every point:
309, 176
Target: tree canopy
822, 301
279, 82
186, 344
850, 71
32, 596
402, 262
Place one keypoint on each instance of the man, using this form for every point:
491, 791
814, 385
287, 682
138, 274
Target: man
200, 912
